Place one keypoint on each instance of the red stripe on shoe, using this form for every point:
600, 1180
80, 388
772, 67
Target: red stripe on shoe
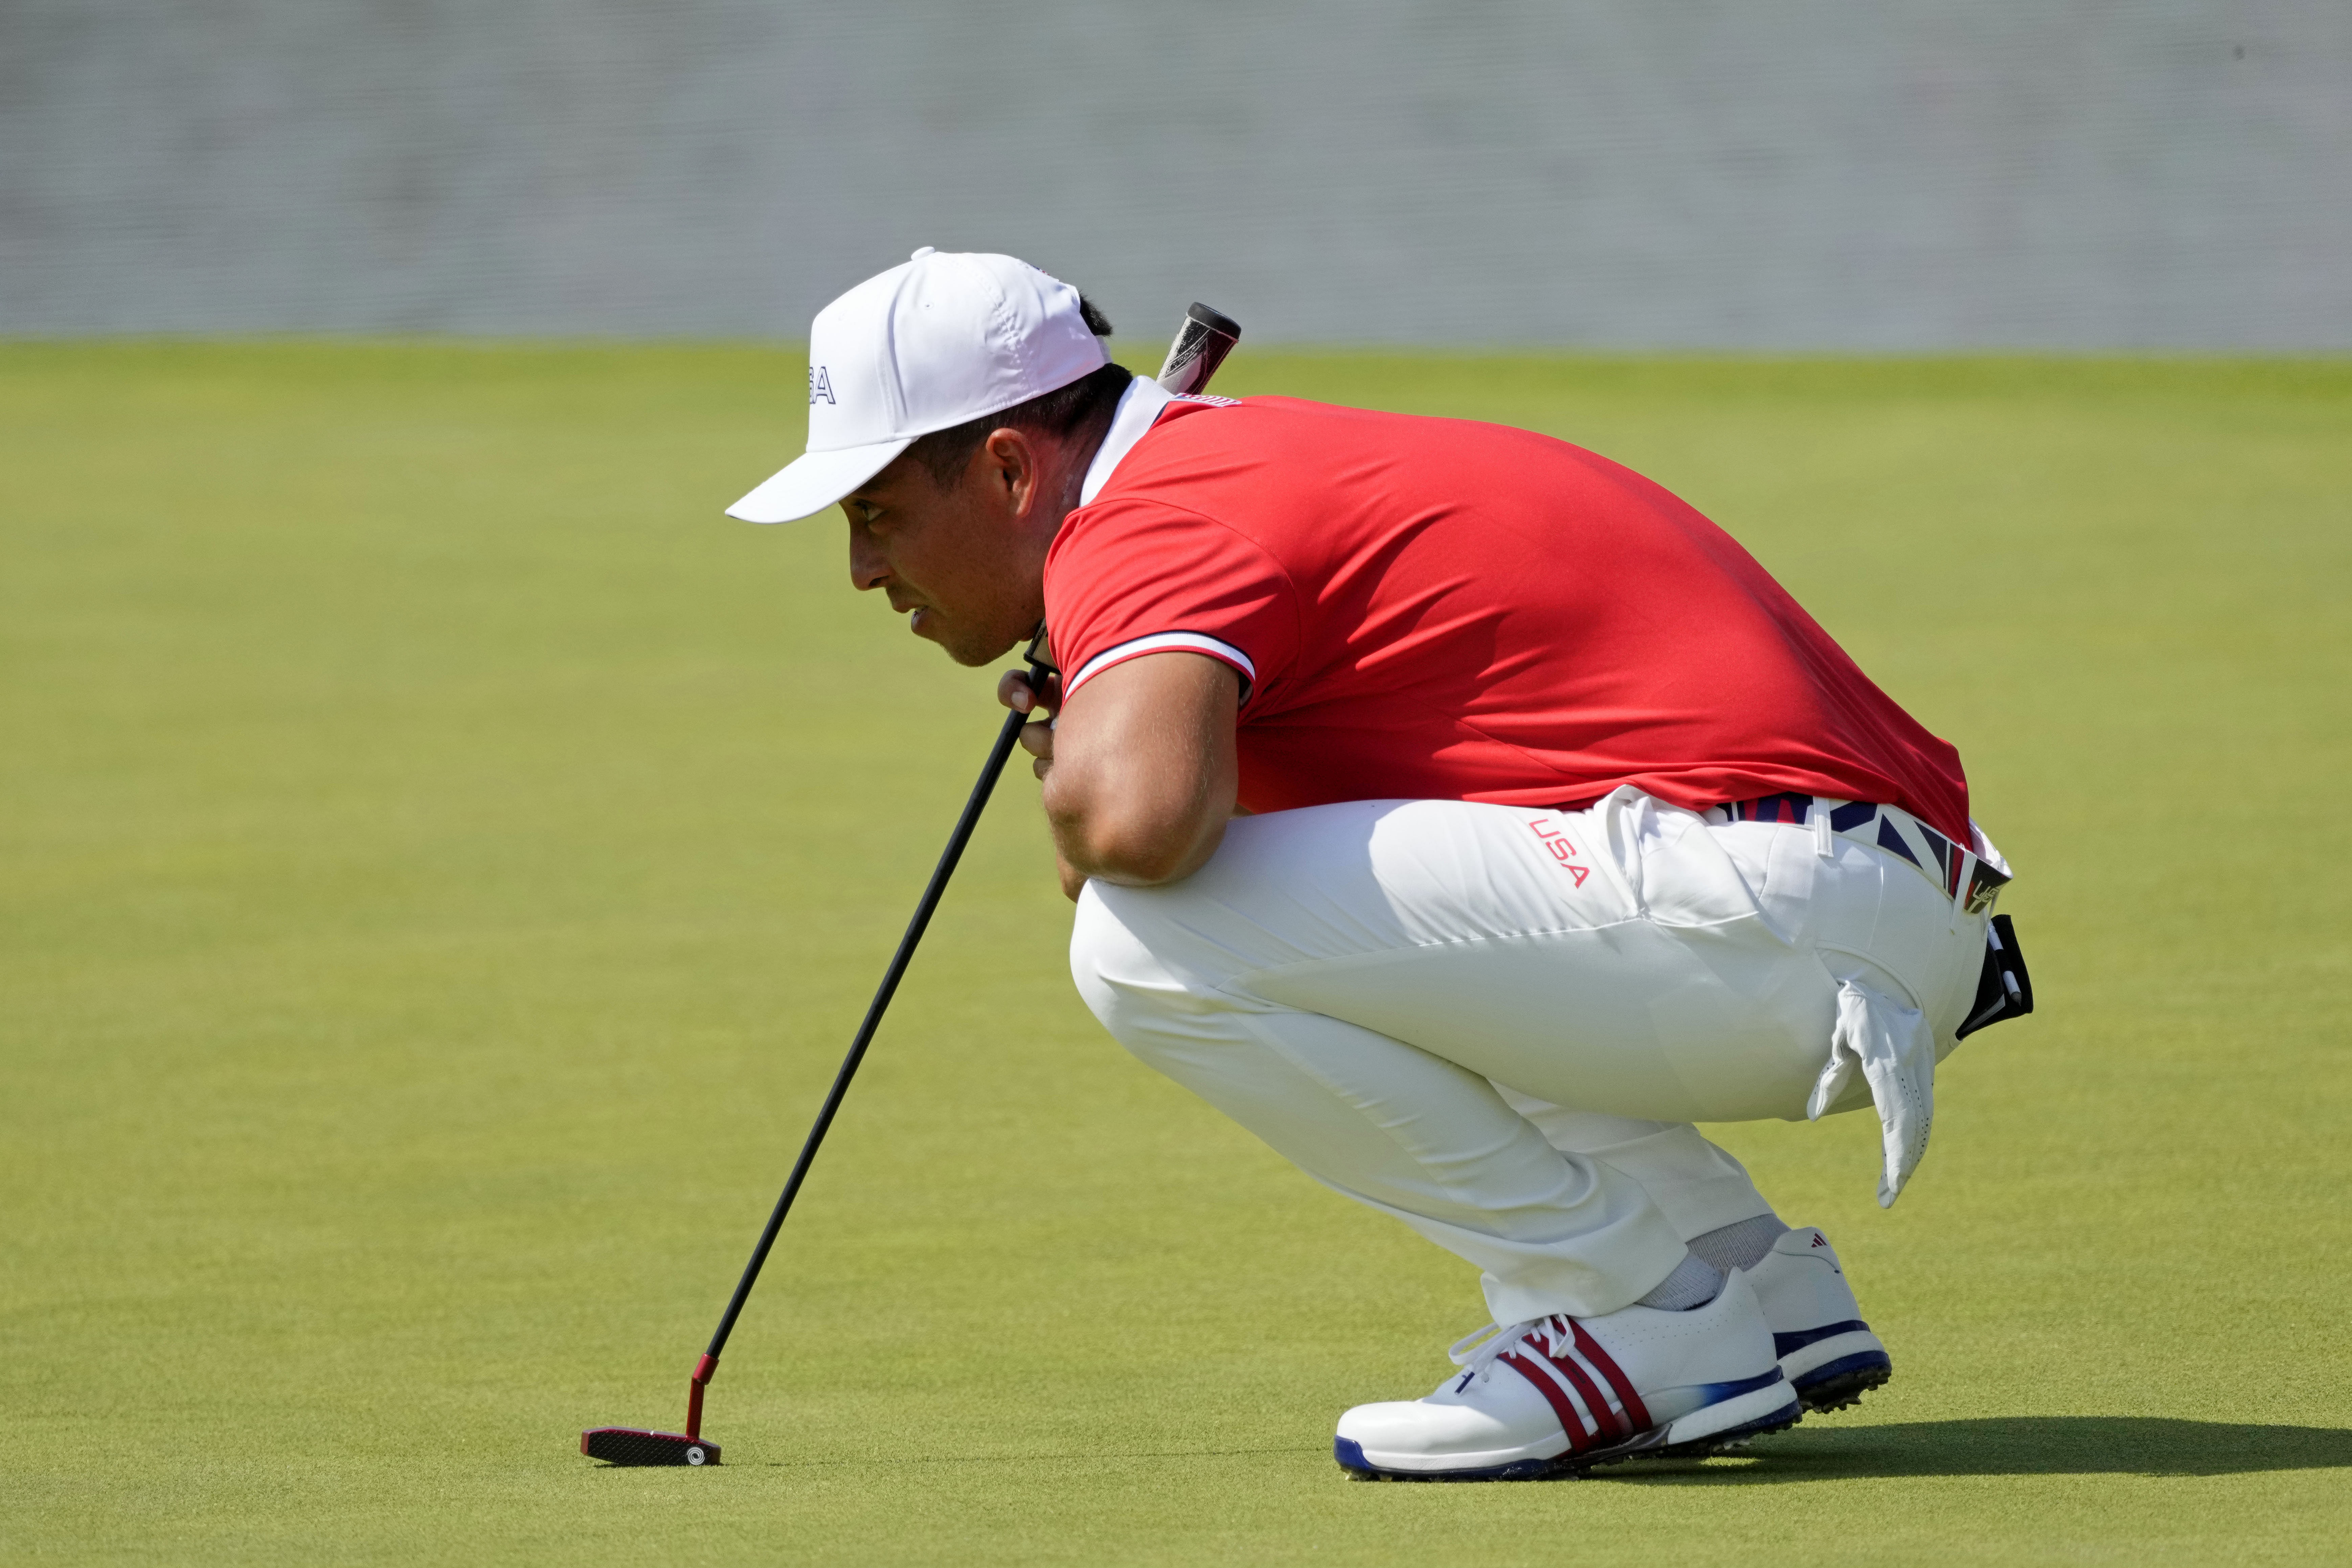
1606, 1422
1571, 1421
1588, 1347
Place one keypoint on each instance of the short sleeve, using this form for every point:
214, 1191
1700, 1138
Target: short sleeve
1131, 577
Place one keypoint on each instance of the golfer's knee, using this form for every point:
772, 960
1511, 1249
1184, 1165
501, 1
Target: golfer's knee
1108, 961
1129, 986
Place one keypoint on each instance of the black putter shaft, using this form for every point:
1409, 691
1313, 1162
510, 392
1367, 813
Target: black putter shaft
1006, 738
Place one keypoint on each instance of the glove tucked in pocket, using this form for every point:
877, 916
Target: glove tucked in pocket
1894, 1050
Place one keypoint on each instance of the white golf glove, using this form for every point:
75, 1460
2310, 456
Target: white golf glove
1894, 1050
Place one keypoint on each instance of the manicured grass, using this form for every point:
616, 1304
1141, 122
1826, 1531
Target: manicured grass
441, 861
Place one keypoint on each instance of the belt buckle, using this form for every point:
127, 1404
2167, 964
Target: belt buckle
1984, 885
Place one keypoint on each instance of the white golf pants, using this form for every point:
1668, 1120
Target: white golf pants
1498, 1023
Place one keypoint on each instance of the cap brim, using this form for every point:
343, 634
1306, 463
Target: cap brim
814, 481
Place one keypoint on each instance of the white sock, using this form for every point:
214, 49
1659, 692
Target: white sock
1740, 1246
1694, 1283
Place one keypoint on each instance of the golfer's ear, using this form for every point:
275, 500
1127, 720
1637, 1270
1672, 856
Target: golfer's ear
1015, 460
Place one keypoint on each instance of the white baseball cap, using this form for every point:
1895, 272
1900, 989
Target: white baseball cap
923, 347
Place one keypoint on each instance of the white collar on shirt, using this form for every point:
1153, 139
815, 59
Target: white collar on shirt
1138, 405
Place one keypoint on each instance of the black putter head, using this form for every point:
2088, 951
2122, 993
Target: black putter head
636, 1445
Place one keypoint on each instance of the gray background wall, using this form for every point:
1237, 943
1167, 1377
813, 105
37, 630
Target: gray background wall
1822, 173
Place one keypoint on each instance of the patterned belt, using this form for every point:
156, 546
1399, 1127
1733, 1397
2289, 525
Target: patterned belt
1951, 866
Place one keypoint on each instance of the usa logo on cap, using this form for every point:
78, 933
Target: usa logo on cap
944, 338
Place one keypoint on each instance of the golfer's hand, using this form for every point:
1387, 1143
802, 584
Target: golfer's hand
1036, 739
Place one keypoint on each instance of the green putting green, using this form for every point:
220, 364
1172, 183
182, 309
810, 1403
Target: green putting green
442, 860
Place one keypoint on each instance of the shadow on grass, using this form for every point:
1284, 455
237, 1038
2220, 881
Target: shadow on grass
2012, 1446
1997, 1445
1100, 1456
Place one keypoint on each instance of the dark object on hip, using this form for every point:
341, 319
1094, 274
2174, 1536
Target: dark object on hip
2005, 990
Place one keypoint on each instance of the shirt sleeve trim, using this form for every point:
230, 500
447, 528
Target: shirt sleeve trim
1163, 642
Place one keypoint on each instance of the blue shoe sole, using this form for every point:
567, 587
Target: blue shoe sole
1834, 1385
1350, 1455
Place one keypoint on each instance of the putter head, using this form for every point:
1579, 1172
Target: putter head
636, 1445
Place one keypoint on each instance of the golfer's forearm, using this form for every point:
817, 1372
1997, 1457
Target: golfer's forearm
1143, 771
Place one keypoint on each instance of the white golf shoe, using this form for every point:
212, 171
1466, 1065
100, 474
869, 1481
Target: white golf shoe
1827, 1353
1559, 1395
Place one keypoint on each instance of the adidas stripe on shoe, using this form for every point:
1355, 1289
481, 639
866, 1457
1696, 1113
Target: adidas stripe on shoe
1827, 1353
1559, 1395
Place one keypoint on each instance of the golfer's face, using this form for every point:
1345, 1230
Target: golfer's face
939, 554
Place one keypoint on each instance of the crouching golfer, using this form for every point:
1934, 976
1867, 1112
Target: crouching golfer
1456, 810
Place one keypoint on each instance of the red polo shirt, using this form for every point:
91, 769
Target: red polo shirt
1435, 609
